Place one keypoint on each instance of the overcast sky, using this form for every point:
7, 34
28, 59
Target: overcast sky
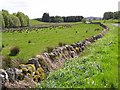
36, 8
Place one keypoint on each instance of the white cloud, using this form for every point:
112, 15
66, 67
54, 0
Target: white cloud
35, 8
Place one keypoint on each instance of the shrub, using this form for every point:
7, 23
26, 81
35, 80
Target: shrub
14, 51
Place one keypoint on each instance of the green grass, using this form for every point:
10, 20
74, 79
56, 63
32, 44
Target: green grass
96, 67
107, 21
35, 22
45, 38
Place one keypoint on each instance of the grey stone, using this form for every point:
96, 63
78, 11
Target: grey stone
3, 74
3, 78
11, 74
17, 73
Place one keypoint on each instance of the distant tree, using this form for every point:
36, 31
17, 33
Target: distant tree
45, 17
79, 18
11, 23
15, 22
6, 17
21, 17
2, 23
118, 14
52, 19
108, 15
73, 18
24, 20
66, 19
115, 15
58, 19
28, 20
111, 15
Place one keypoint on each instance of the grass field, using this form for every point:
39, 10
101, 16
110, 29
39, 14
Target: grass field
48, 24
35, 22
96, 67
108, 21
45, 38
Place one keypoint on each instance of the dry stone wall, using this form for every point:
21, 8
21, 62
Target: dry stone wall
36, 68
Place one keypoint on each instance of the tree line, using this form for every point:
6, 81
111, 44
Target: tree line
19, 19
111, 15
47, 18
14, 20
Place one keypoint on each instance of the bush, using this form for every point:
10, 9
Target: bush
14, 51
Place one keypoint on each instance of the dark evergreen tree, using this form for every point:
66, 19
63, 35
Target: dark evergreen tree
56, 19
115, 15
111, 15
73, 18
52, 19
45, 17
118, 14
108, 15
